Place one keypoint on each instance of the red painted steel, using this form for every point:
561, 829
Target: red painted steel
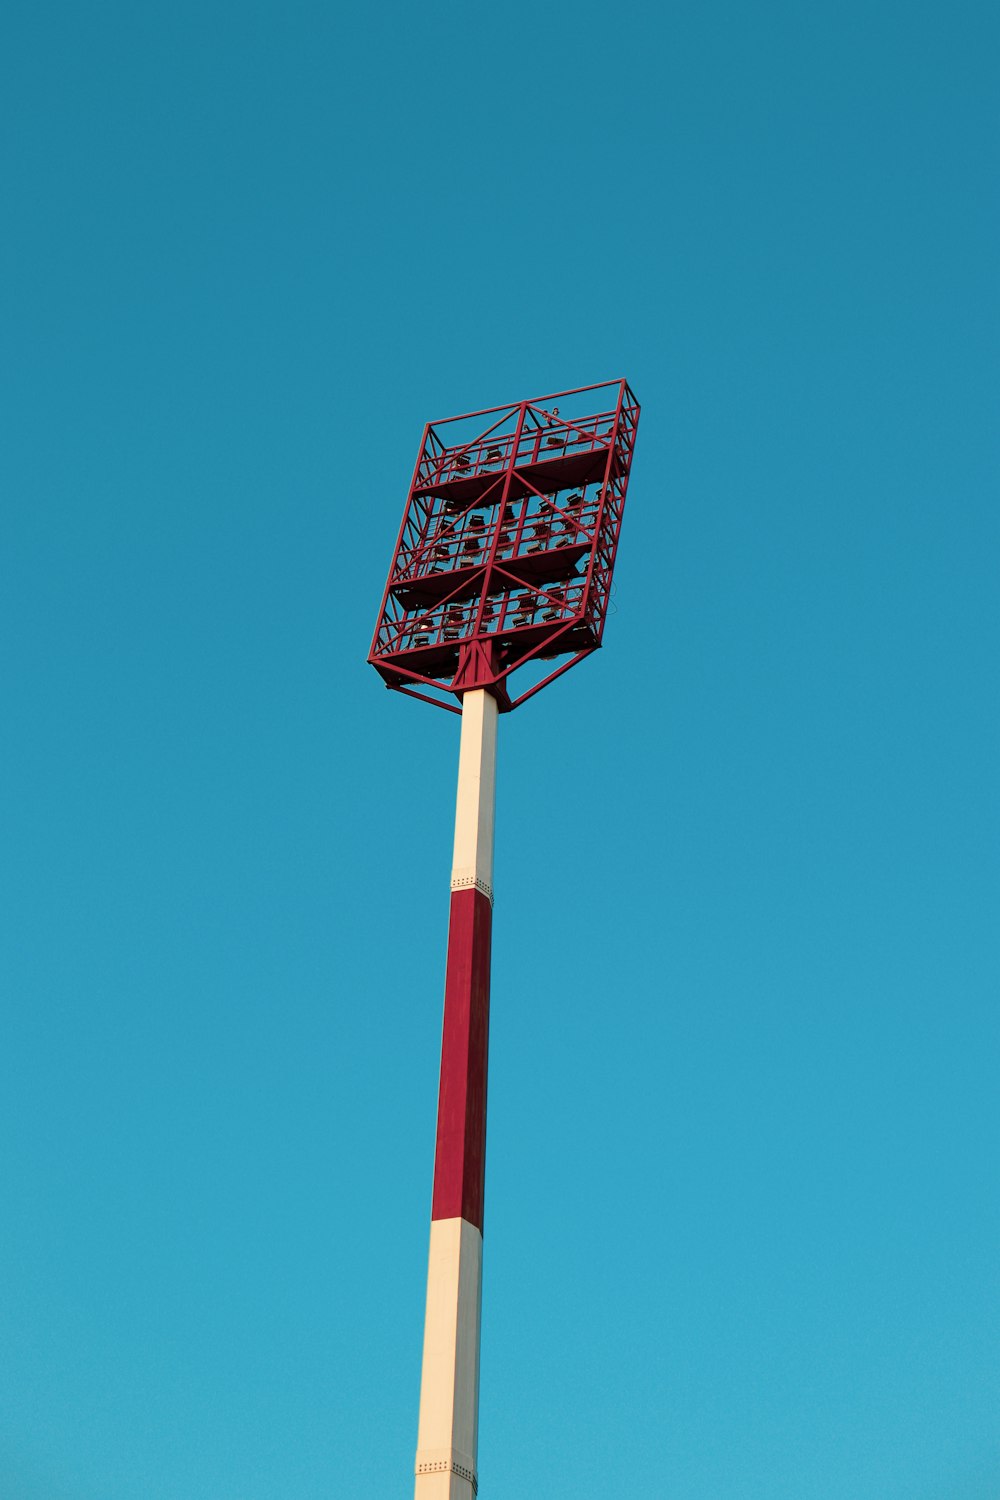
507, 547
460, 1159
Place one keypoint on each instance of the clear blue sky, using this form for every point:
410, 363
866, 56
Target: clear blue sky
742, 1219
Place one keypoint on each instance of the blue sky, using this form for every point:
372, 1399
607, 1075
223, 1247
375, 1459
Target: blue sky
741, 1218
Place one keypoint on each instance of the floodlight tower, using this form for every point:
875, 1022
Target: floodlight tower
503, 561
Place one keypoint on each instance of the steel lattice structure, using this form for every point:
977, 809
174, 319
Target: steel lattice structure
508, 544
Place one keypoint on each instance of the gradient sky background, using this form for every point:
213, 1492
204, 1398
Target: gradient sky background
742, 1220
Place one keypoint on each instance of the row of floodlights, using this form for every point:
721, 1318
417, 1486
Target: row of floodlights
456, 507
463, 463
541, 530
559, 436
522, 612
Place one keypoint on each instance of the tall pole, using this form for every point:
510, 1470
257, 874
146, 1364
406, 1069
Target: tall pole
447, 1438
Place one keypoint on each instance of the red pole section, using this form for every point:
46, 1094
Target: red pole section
449, 1385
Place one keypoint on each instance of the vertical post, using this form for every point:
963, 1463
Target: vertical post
449, 1383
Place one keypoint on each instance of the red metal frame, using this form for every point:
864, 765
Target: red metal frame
507, 546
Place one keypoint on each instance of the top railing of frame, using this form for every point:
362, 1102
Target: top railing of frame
545, 432
616, 386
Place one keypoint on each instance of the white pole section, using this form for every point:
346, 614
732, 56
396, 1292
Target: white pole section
475, 809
